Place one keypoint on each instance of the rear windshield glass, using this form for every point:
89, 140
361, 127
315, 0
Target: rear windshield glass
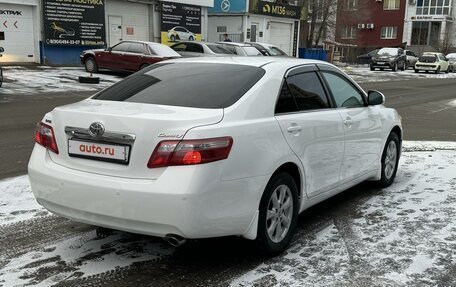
218, 49
428, 59
387, 52
274, 51
196, 85
252, 51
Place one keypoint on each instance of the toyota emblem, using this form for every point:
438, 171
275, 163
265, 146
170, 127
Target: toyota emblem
96, 129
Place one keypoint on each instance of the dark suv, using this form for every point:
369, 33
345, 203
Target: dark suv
389, 58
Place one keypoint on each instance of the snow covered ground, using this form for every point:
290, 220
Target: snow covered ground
21, 80
362, 74
44, 79
404, 235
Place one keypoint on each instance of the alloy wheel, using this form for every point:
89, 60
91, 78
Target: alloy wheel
279, 213
390, 159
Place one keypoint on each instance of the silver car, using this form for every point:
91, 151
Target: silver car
411, 59
188, 49
241, 49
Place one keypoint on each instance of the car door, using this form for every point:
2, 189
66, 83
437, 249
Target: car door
312, 129
114, 57
443, 62
362, 126
134, 57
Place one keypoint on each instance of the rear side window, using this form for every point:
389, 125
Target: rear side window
136, 48
122, 47
197, 85
302, 92
308, 91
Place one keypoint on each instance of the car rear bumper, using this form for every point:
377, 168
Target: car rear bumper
186, 201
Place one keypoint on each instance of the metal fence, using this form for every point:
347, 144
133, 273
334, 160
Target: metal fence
233, 37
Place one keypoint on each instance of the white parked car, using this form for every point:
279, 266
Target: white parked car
180, 33
208, 147
430, 61
451, 61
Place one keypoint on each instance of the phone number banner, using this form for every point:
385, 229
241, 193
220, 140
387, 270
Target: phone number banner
74, 22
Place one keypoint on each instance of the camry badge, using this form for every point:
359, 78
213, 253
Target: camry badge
165, 135
96, 129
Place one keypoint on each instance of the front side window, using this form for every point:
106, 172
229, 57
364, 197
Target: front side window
388, 33
391, 4
179, 47
122, 47
344, 93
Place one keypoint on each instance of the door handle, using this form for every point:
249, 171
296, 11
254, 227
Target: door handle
294, 128
348, 122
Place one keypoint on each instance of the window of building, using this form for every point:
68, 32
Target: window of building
388, 33
420, 32
348, 32
433, 7
350, 5
391, 4
221, 29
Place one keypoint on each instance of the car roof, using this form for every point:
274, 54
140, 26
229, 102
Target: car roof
233, 44
250, 61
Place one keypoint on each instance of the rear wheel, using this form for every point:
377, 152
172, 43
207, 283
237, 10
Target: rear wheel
278, 217
447, 70
438, 70
390, 160
404, 66
172, 38
191, 38
372, 68
416, 71
91, 65
1, 76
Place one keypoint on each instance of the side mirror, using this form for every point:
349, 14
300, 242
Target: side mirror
2, 50
375, 98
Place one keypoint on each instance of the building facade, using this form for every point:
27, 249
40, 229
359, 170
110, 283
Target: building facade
57, 31
429, 25
370, 24
257, 21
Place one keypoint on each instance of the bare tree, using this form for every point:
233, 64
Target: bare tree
322, 20
444, 45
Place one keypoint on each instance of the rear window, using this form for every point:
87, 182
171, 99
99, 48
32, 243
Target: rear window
218, 49
428, 58
252, 51
196, 85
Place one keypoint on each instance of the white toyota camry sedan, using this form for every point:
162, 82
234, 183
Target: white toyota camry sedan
201, 148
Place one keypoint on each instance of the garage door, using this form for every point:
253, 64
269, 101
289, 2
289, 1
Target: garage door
16, 33
281, 36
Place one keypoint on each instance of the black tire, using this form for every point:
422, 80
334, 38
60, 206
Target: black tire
1, 77
381, 69
372, 68
447, 70
266, 243
394, 68
89, 80
172, 38
191, 38
387, 178
404, 66
438, 70
91, 65
417, 71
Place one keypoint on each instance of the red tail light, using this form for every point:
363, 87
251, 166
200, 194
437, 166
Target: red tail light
190, 152
44, 135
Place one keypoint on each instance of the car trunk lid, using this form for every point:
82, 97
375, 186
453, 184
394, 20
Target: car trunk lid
131, 128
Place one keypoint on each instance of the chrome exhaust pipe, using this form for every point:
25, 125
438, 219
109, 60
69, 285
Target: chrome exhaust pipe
175, 240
